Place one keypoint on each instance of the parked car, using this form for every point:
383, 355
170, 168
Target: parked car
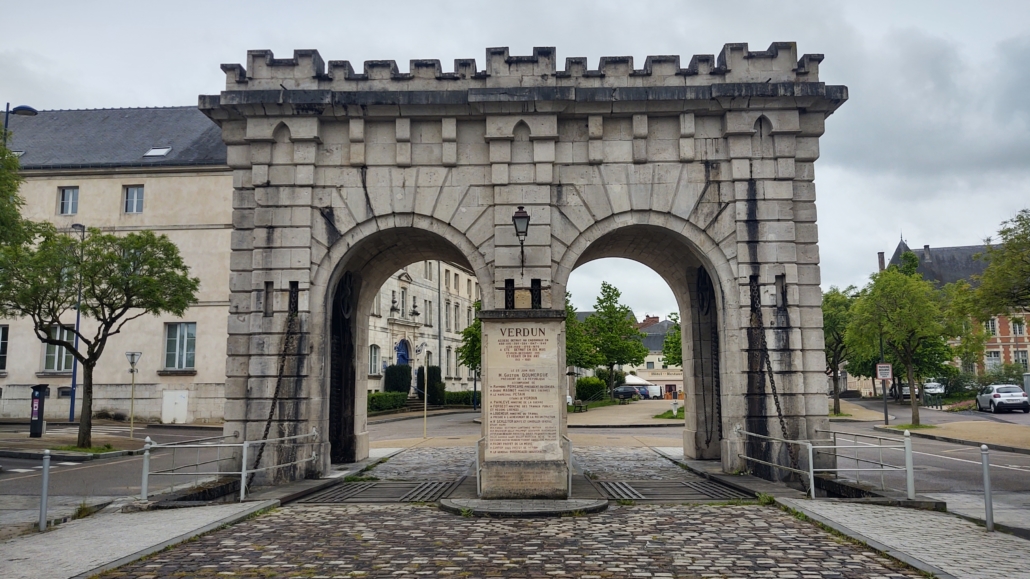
998, 397
904, 391
654, 392
625, 392
933, 388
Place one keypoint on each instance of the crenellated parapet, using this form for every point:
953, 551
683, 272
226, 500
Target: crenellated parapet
734, 64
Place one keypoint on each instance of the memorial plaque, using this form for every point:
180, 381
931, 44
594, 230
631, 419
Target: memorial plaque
523, 401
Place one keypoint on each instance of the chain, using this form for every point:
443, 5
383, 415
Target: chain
759, 324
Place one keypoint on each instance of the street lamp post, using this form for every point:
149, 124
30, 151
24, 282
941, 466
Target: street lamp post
132, 357
20, 110
78, 316
521, 222
425, 387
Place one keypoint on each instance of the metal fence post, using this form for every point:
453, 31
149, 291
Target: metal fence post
243, 473
988, 501
811, 469
45, 491
146, 469
910, 481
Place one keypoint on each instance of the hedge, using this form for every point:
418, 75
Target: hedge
397, 379
463, 398
378, 401
590, 388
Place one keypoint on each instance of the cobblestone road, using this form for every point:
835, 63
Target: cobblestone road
427, 464
603, 463
422, 541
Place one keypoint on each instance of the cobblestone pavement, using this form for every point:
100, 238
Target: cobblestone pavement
947, 542
427, 464
422, 541
604, 463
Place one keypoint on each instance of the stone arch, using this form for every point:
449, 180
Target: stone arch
686, 258
521, 146
762, 138
343, 288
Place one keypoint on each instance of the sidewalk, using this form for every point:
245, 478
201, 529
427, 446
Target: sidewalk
938, 543
640, 413
88, 546
858, 413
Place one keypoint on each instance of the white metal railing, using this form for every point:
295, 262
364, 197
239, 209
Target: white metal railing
831, 446
209, 444
859, 444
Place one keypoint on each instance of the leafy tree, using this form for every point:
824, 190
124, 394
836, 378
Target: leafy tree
614, 332
906, 311
837, 305
862, 364
672, 347
580, 351
13, 229
123, 278
470, 352
1005, 284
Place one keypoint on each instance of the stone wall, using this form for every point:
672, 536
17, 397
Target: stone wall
341, 178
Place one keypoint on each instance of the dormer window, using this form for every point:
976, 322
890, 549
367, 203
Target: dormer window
156, 152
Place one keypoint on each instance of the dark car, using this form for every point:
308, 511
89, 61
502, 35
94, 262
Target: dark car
625, 392
644, 394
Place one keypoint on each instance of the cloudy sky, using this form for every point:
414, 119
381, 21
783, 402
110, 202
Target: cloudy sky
934, 143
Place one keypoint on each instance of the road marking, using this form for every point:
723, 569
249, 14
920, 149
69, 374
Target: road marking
963, 449
21, 470
977, 462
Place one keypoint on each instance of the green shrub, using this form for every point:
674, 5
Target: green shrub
420, 382
602, 373
590, 388
438, 394
397, 379
462, 398
378, 401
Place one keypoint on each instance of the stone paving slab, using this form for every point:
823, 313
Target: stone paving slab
939, 543
522, 508
20, 513
1010, 509
86, 546
419, 541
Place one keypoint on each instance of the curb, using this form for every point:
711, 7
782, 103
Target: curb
234, 518
998, 447
77, 457
418, 415
875, 545
1017, 531
677, 425
537, 508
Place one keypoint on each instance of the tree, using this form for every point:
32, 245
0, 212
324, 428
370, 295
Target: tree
13, 228
1005, 283
123, 278
837, 306
672, 347
906, 311
614, 332
470, 352
580, 351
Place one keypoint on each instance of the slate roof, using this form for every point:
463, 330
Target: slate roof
582, 316
944, 265
109, 138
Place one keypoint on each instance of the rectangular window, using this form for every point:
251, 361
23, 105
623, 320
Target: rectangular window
447, 364
428, 305
477, 291
134, 199
69, 197
650, 365
404, 303
456, 286
373, 359
447, 278
468, 314
3, 348
457, 316
180, 346
1020, 357
429, 270
1018, 328
468, 287
59, 358
992, 360
447, 316
991, 326
377, 305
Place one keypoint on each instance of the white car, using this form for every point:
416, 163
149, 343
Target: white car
933, 388
998, 397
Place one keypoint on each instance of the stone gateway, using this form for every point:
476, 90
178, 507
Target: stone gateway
704, 173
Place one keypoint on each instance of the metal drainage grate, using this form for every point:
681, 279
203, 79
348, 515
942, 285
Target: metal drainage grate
384, 492
669, 491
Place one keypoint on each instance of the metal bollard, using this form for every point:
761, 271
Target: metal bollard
985, 458
910, 479
46, 489
146, 469
811, 470
243, 473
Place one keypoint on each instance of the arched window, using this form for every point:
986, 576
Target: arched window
373, 359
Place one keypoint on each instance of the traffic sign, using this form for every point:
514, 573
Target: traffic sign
884, 372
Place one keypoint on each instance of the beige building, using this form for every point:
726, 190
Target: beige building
122, 170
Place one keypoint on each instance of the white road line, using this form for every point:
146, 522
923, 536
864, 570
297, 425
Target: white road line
976, 462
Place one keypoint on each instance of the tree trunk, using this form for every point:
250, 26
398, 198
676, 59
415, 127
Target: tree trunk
873, 380
912, 398
85, 439
611, 380
836, 391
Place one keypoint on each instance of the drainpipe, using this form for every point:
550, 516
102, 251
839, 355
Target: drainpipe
439, 317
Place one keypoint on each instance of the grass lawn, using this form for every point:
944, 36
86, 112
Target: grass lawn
91, 450
598, 404
680, 414
834, 414
912, 426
